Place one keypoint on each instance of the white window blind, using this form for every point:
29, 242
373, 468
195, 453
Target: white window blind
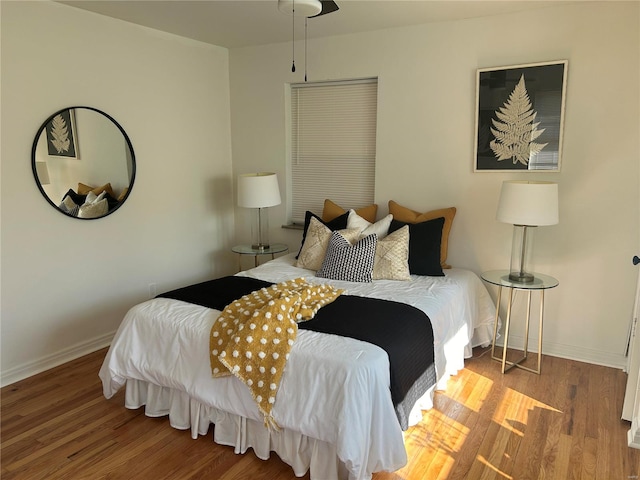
333, 145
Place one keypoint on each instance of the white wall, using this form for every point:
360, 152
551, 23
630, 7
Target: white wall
67, 283
425, 147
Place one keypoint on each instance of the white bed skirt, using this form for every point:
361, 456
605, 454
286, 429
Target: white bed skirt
301, 452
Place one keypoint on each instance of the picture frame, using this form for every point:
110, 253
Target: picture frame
520, 117
61, 135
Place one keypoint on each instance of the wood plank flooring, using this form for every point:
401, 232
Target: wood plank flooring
564, 424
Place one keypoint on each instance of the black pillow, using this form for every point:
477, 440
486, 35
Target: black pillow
111, 202
424, 246
338, 223
76, 197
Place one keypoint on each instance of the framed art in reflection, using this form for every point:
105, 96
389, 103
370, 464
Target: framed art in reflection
61, 135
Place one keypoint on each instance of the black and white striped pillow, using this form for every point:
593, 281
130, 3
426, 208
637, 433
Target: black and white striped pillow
352, 263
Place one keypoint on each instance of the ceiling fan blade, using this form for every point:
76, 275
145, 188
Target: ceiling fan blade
328, 6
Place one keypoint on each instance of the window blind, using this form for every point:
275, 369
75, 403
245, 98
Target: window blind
333, 145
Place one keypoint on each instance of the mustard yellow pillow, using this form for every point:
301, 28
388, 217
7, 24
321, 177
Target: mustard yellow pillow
332, 210
84, 189
123, 194
406, 215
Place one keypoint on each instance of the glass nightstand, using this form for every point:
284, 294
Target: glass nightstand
249, 250
540, 283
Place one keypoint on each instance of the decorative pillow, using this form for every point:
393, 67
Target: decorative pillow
123, 194
93, 210
424, 246
77, 198
338, 223
69, 206
93, 198
392, 256
315, 245
407, 215
380, 228
112, 202
352, 263
84, 189
332, 210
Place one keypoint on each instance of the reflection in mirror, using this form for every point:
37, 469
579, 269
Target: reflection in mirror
83, 162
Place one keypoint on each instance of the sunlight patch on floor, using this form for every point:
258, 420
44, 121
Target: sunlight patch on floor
488, 464
513, 411
444, 440
479, 392
440, 438
444, 433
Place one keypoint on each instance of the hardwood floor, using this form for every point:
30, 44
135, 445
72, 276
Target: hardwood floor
563, 424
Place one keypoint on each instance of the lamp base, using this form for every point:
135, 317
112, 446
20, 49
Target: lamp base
521, 277
260, 247
260, 230
521, 247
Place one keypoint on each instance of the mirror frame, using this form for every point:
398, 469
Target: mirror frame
126, 138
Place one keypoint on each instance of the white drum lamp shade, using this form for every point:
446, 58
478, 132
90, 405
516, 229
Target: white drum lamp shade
259, 191
526, 204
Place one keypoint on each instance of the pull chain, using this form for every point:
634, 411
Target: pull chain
293, 37
305, 48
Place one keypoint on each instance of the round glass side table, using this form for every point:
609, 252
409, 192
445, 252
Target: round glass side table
249, 250
540, 283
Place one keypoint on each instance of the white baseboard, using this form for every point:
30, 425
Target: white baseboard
15, 374
634, 434
571, 352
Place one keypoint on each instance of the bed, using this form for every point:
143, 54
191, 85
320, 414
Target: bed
334, 414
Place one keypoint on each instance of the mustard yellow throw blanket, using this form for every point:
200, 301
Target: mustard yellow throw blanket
253, 336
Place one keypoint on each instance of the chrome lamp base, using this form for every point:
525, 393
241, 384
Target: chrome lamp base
521, 247
521, 277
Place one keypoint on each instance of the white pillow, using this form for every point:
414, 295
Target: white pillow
380, 228
101, 196
93, 210
91, 198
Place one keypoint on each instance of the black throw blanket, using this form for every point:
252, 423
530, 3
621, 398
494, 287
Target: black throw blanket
403, 331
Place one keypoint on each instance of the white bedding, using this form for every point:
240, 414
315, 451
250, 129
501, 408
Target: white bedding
333, 404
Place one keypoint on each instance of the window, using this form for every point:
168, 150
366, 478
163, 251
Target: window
333, 145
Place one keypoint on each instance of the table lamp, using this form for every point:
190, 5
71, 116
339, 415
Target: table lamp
258, 191
525, 205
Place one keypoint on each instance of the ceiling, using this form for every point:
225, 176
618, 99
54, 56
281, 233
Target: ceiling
241, 23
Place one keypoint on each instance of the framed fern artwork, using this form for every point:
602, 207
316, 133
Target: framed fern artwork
61, 135
520, 117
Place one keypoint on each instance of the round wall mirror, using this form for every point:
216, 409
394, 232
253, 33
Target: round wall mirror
83, 162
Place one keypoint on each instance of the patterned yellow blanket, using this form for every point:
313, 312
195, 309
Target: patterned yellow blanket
252, 337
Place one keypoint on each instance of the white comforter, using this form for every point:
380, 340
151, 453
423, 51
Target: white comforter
334, 389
